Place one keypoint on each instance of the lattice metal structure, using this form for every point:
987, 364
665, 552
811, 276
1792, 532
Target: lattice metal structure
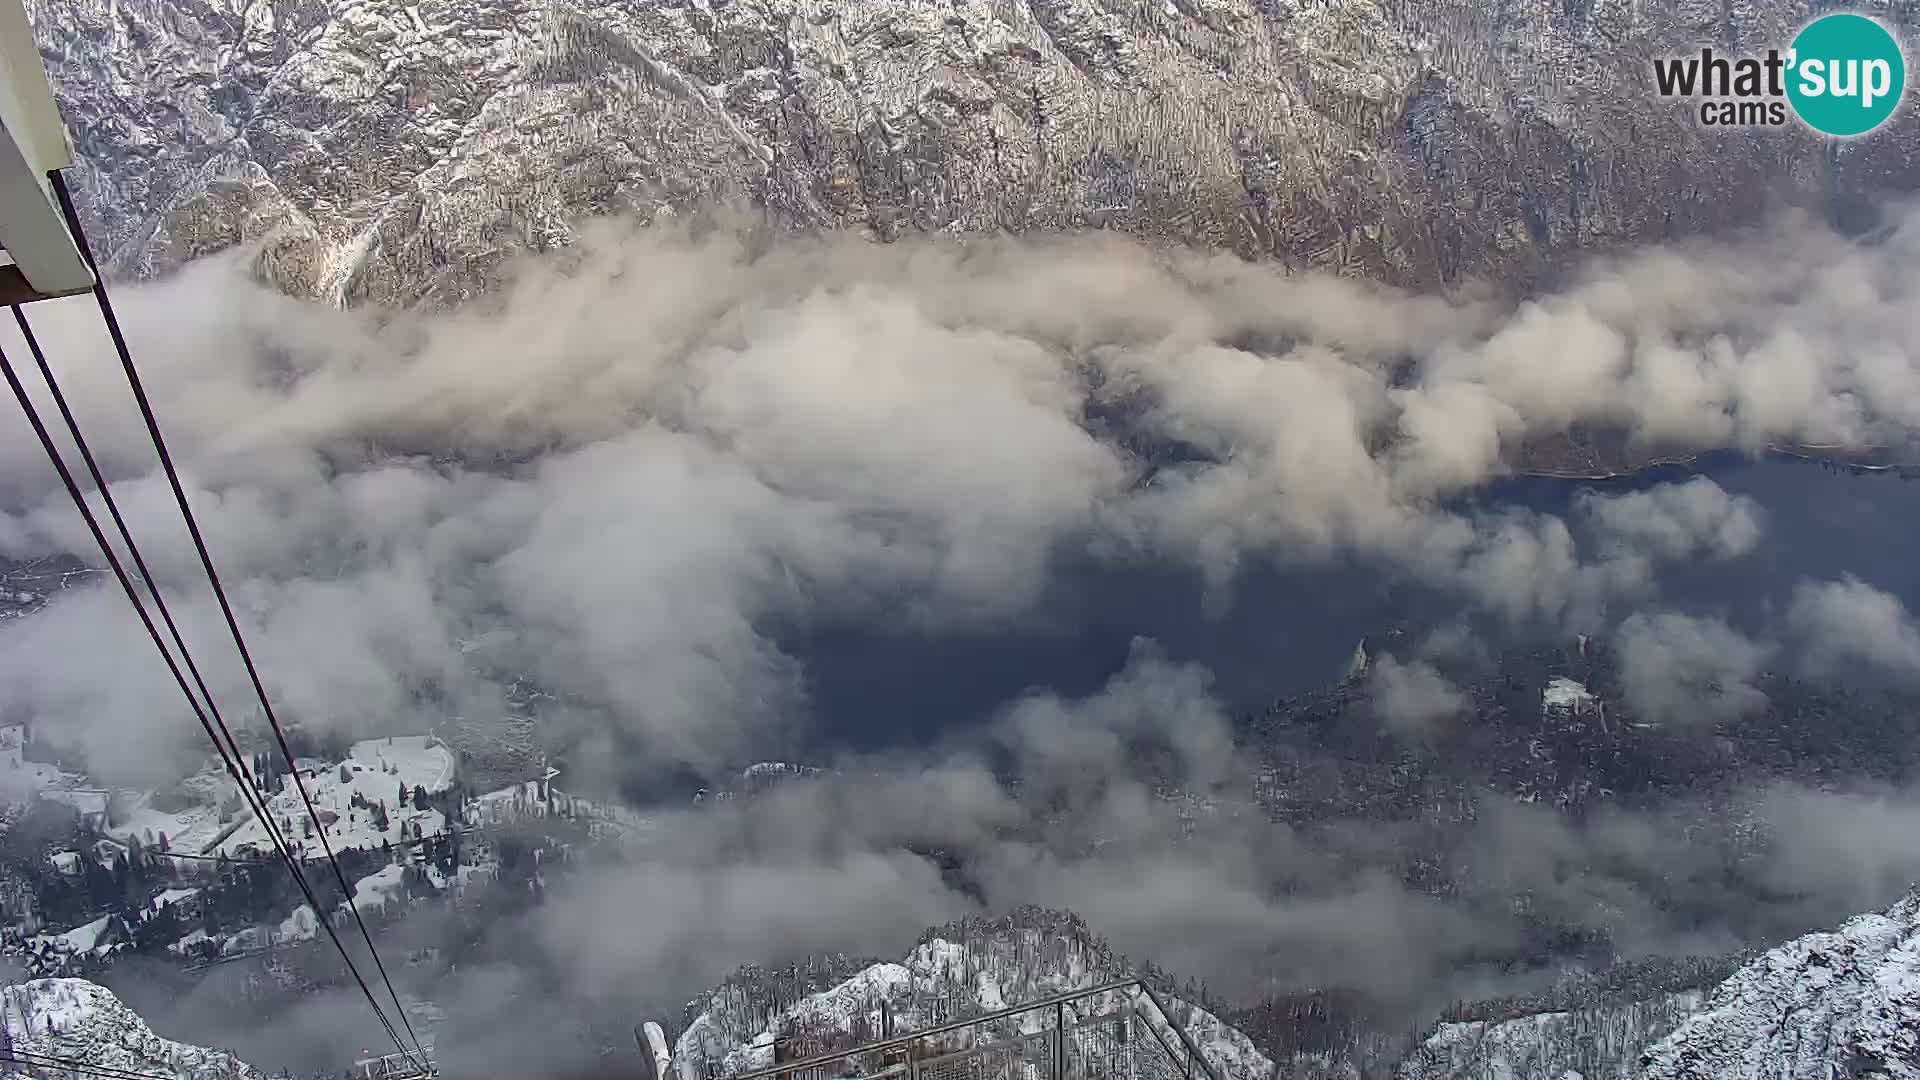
1027, 1057
1123, 1044
1115, 1031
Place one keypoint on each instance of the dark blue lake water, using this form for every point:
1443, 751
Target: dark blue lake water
1288, 629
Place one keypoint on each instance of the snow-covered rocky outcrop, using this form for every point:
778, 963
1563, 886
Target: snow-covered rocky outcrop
80, 1021
1600, 1043
1838, 1004
964, 969
758, 779
376, 151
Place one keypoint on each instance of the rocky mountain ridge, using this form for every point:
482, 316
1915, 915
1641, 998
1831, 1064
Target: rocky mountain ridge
969, 968
397, 153
1839, 1003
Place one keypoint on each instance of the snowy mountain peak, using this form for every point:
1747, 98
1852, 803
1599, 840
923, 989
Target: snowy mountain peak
965, 969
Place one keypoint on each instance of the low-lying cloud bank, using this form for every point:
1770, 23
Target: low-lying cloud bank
1133, 807
615, 477
611, 477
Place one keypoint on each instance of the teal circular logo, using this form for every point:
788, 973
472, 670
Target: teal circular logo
1846, 74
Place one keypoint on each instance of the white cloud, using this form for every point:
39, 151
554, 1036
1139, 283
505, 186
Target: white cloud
1849, 621
616, 474
1683, 670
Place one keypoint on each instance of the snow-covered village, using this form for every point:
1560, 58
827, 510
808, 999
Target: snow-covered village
88, 875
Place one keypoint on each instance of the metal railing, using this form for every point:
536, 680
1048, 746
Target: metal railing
391, 1067
1120, 1030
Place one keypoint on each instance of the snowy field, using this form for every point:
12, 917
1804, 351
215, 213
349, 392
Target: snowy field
377, 769
189, 830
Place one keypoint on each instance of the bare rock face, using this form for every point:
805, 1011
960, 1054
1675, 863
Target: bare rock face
394, 153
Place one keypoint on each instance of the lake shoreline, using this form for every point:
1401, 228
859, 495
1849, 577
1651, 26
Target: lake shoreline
1813, 454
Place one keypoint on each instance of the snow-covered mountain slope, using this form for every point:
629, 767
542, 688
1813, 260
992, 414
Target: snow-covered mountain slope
1601, 1043
81, 1021
1838, 1004
394, 152
964, 969
1827, 1005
